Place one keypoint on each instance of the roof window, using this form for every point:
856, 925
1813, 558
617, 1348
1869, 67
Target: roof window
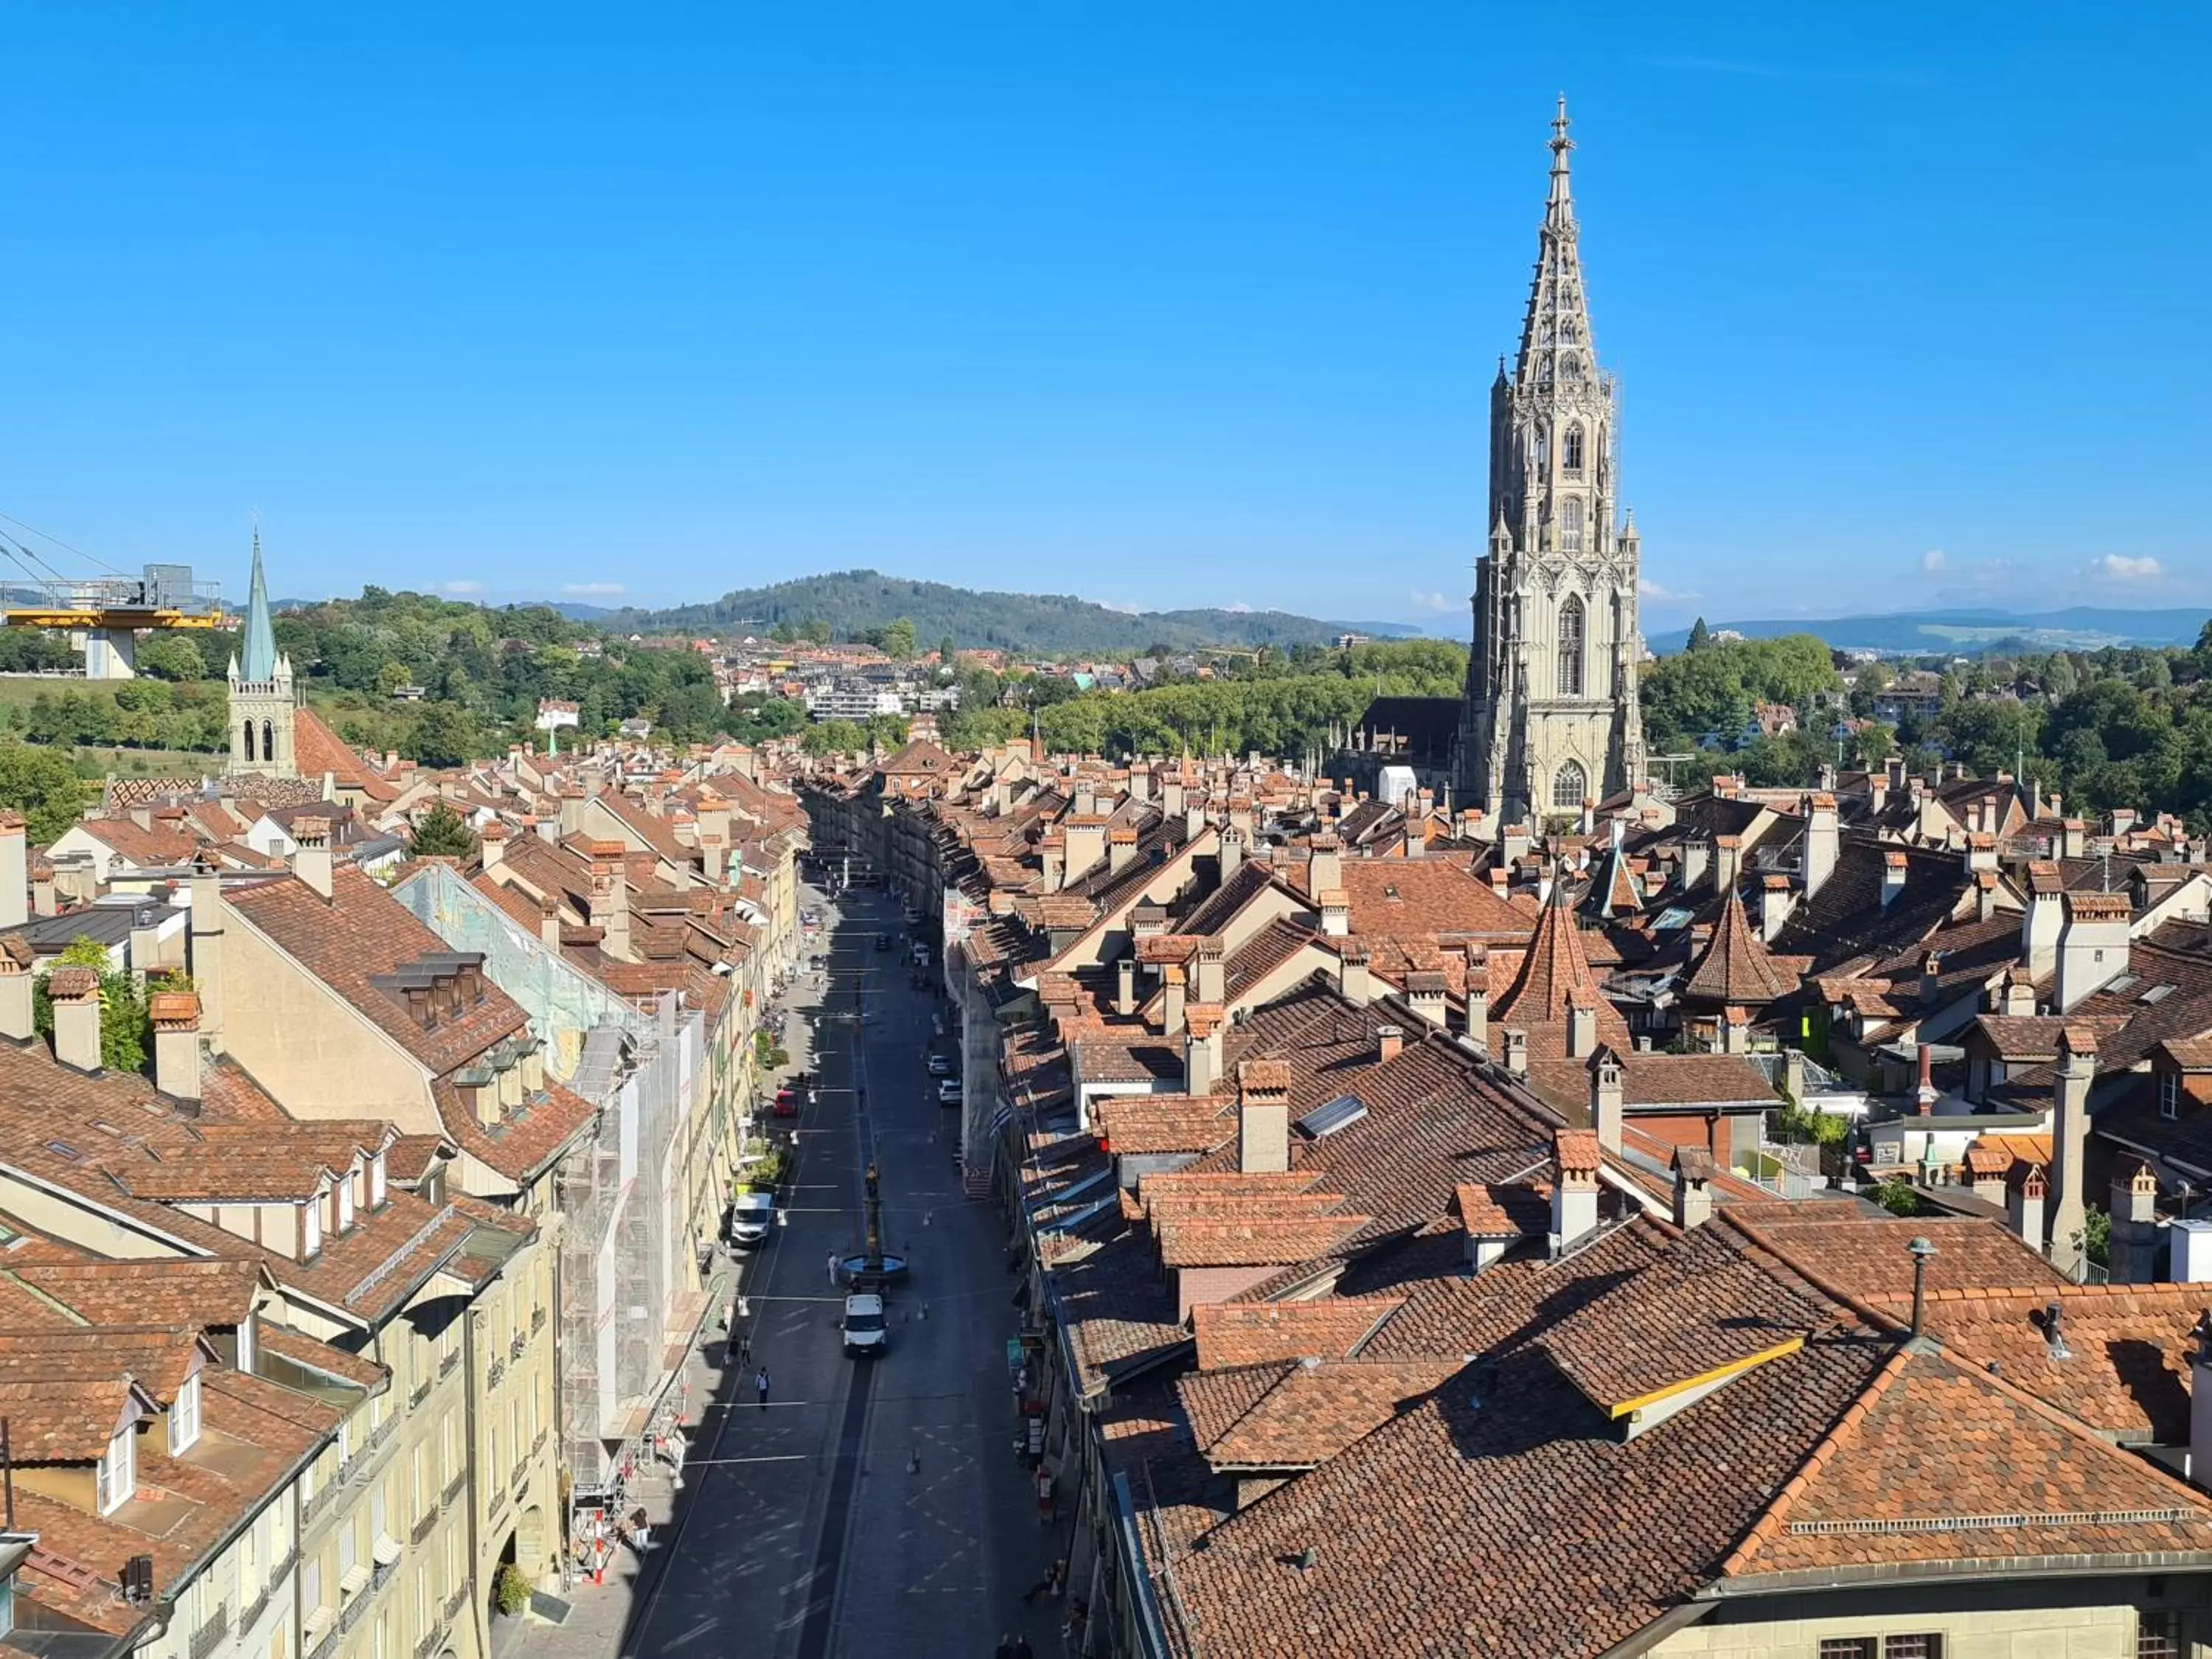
1325, 1120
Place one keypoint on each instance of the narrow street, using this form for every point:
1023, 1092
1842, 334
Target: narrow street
871, 1506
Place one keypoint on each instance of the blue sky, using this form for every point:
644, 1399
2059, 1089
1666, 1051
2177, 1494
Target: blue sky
1155, 304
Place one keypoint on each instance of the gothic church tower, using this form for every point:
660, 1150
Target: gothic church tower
262, 707
1550, 717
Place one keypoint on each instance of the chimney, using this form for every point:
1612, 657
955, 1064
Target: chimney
74, 992
1172, 999
1923, 1093
1728, 862
1893, 877
1335, 912
14, 872
572, 803
1608, 1098
1932, 977
176, 1019
2200, 1404
1425, 995
1822, 840
1697, 859
1201, 1048
2132, 1253
1325, 870
1211, 981
2072, 838
2019, 995
1263, 1116
1389, 1042
2093, 946
1981, 852
1516, 1051
2026, 1191
1086, 843
1575, 1160
1513, 846
1581, 1024
1124, 987
1171, 798
492, 841
1052, 857
1233, 852
1121, 848
1477, 1012
1776, 901
1352, 974
549, 922
611, 899
310, 858
2069, 1140
16, 1024
44, 902
1695, 1170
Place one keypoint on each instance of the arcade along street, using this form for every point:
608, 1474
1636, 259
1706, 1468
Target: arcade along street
871, 1505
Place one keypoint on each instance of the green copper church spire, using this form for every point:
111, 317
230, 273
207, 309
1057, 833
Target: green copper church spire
259, 667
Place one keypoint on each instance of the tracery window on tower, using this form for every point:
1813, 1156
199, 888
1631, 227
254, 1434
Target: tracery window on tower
269, 740
1540, 449
1570, 652
249, 739
1571, 451
1570, 524
1569, 786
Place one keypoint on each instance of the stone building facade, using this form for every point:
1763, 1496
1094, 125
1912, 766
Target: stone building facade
1550, 716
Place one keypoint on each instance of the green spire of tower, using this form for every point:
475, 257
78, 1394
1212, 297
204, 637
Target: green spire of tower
259, 666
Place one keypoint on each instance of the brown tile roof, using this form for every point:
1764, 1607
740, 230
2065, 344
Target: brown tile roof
1554, 975
1735, 967
1310, 1410
1240, 1333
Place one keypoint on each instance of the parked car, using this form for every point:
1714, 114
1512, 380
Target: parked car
751, 1215
939, 1065
786, 1104
948, 1091
862, 1327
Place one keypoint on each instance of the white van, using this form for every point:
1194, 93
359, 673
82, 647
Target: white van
751, 1215
863, 1327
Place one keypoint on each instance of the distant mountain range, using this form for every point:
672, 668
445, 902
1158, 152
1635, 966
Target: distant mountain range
853, 601
1973, 631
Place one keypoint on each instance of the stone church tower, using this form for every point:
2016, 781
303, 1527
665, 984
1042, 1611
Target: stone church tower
1550, 716
262, 706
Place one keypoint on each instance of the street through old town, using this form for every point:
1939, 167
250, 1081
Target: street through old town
871, 1505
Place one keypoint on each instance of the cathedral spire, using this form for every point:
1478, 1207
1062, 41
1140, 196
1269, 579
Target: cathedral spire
1555, 339
1562, 204
259, 665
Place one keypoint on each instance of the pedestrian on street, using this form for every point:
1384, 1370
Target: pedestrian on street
833, 1268
745, 1350
1047, 1586
1006, 1648
1021, 1648
760, 1387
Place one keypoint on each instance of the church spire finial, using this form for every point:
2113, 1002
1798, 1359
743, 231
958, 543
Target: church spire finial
1561, 145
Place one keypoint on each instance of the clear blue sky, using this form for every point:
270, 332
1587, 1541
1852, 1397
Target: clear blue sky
1156, 304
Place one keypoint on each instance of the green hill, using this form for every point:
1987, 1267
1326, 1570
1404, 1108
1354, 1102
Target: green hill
853, 601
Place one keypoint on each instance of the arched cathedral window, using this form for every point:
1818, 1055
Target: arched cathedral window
1569, 786
1571, 451
1570, 652
1570, 524
269, 740
249, 739
1540, 449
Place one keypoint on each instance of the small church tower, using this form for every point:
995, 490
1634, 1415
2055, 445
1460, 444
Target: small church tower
262, 706
1550, 717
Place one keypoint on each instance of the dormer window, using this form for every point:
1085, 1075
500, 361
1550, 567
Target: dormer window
311, 1230
116, 1479
246, 1342
2169, 1094
345, 1206
376, 1182
185, 1416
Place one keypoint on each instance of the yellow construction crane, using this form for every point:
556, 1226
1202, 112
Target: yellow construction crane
104, 615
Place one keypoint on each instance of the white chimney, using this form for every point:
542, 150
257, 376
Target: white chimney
2026, 1193
1695, 1170
1263, 1116
74, 992
2069, 1140
2093, 946
1822, 841
14, 872
1608, 1098
310, 858
175, 1016
1574, 1188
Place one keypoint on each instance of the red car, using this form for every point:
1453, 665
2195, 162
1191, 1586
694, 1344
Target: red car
787, 1102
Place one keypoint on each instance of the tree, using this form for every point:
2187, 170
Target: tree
442, 833
41, 785
123, 1022
1700, 636
171, 657
945, 651
816, 630
446, 735
898, 640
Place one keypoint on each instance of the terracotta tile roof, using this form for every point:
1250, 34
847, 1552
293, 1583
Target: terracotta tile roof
1240, 1333
1655, 1081
526, 1138
1500, 1210
1306, 1411
1736, 966
181, 1291
1554, 975
360, 934
1255, 1243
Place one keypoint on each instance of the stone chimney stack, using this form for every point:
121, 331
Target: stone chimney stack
176, 1019
1051, 858
1231, 856
1608, 1098
1335, 912
549, 922
2133, 1251
2093, 946
1086, 844
611, 899
45, 900
1173, 994
2069, 1141
1352, 974
1728, 862
14, 872
1263, 1116
492, 841
1201, 1048
1211, 967
1389, 1044
1575, 1160
1425, 995
1325, 871
16, 1024
1894, 868
1124, 987
2026, 1191
74, 992
1516, 1051
1582, 1023
1477, 1012
311, 857
1695, 1170
1121, 848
